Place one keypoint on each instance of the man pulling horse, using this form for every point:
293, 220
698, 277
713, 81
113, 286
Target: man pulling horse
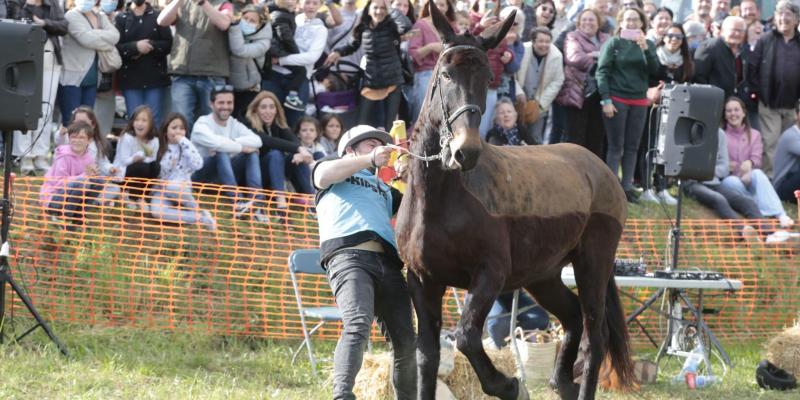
491, 220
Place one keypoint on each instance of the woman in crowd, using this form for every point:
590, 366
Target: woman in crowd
545, 12
424, 48
528, 13
675, 66
505, 131
143, 46
137, 153
179, 159
516, 49
281, 151
379, 31
744, 153
89, 33
49, 15
660, 24
623, 69
579, 93
249, 41
331, 132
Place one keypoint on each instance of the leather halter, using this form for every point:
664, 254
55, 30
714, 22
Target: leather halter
446, 129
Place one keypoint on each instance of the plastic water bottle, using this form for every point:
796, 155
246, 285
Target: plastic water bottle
704, 380
689, 371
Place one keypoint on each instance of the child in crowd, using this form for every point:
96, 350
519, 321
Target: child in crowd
137, 152
462, 22
308, 129
331, 131
173, 201
69, 182
281, 13
98, 146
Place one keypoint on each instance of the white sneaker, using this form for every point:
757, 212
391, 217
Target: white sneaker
41, 164
208, 221
781, 236
650, 196
260, 217
26, 166
241, 208
667, 198
785, 221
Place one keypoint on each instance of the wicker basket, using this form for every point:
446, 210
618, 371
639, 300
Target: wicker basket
538, 351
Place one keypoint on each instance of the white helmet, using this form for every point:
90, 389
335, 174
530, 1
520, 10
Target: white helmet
359, 133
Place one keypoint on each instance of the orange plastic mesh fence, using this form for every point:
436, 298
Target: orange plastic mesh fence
112, 263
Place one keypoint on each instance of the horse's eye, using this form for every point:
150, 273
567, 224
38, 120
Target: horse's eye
445, 75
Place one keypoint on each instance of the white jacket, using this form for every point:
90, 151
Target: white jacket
82, 44
208, 136
129, 147
180, 161
552, 77
311, 36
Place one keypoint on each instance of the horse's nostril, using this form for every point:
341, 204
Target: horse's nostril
459, 156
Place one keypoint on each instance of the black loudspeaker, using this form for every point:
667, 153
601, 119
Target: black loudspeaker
21, 75
688, 130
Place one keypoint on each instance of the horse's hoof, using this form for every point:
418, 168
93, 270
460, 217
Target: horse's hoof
568, 391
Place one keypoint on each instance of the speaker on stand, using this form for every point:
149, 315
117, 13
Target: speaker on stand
688, 130
20, 109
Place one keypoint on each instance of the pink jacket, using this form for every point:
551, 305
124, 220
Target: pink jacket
66, 166
740, 149
427, 34
577, 63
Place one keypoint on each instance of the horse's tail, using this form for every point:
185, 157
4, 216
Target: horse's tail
618, 341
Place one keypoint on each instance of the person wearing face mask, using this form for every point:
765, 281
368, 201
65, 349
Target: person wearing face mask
105, 104
49, 15
143, 46
249, 39
89, 32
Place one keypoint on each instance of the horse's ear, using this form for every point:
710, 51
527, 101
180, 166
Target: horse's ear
496, 33
441, 23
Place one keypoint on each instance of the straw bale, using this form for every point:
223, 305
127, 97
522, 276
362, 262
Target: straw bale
374, 381
784, 350
464, 383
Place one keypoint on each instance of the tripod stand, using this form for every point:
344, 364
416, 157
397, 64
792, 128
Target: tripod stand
5, 270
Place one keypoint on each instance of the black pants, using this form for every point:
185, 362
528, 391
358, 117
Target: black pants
380, 113
584, 126
143, 170
788, 185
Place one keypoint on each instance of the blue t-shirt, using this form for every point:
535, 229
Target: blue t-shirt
360, 206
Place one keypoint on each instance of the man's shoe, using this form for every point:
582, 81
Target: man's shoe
668, 199
241, 208
632, 196
649, 196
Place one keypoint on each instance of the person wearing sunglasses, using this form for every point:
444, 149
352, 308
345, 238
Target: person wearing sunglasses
230, 153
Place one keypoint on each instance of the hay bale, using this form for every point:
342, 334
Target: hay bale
784, 350
464, 383
374, 381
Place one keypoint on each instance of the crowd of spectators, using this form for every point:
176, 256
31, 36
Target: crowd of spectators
223, 91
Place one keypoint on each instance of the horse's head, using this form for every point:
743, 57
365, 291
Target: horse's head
457, 97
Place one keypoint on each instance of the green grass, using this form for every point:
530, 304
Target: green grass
121, 363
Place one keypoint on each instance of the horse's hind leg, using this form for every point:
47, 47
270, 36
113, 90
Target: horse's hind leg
593, 264
427, 298
483, 293
560, 301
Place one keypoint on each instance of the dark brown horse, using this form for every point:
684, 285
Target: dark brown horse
493, 219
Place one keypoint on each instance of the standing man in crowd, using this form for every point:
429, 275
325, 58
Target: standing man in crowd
199, 59
359, 253
721, 61
787, 160
229, 150
774, 74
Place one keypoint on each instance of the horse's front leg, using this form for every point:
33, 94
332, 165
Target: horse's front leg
483, 292
427, 298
